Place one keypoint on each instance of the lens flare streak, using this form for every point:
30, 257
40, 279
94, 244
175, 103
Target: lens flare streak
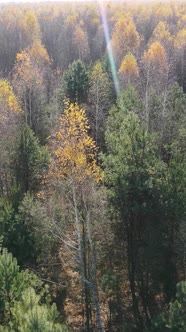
109, 48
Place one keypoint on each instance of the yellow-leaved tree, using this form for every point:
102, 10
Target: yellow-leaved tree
8, 100
31, 80
39, 54
125, 38
180, 47
129, 68
10, 114
80, 41
162, 34
26, 79
155, 66
74, 165
75, 149
30, 26
155, 54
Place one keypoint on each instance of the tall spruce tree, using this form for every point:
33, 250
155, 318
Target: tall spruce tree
141, 191
76, 81
32, 160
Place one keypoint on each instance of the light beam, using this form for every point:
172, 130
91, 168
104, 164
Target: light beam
109, 48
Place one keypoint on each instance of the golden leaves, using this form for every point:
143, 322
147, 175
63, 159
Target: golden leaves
180, 39
129, 66
74, 149
161, 33
163, 10
156, 53
38, 52
29, 65
80, 41
71, 19
79, 35
30, 25
7, 97
125, 37
25, 74
10, 116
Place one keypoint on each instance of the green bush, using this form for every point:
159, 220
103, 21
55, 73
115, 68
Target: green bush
24, 300
174, 318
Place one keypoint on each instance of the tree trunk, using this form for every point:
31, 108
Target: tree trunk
131, 271
88, 283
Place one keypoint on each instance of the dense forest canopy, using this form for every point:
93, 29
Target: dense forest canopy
93, 166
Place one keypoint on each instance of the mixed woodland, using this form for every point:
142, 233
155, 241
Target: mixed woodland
93, 167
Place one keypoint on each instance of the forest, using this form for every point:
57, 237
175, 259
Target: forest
93, 166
